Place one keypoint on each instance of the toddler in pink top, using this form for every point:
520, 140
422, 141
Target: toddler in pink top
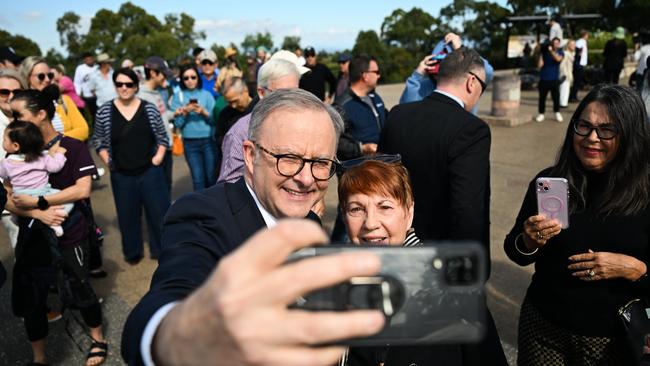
27, 166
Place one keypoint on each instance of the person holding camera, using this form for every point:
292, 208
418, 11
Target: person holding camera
549, 78
237, 313
193, 108
131, 139
587, 271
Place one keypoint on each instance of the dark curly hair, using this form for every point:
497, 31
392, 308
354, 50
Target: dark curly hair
28, 137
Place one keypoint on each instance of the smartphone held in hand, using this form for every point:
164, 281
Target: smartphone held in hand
553, 199
429, 294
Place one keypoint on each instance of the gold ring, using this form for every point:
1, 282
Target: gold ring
539, 235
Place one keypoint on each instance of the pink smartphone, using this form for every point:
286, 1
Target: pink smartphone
553, 199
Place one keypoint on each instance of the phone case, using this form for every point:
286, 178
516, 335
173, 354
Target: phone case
553, 199
430, 294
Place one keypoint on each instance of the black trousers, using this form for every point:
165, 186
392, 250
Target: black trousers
546, 86
91, 106
578, 80
41, 277
611, 75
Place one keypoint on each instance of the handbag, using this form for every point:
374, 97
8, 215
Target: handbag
635, 316
177, 145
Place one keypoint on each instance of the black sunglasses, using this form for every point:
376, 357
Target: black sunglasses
128, 85
207, 62
41, 76
385, 158
7, 92
193, 77
480, 81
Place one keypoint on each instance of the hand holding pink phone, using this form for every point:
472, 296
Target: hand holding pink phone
553, 199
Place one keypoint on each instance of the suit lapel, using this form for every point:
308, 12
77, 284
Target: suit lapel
243, 208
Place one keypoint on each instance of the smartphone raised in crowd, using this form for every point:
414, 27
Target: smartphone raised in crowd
553, 199
193, 101
430, 294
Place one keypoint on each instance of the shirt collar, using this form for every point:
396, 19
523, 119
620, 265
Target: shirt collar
269, 220
455, 98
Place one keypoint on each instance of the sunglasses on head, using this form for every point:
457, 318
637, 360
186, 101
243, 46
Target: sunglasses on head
385, 158
207, 62
41, 76
128, 85
192, 77
6, 92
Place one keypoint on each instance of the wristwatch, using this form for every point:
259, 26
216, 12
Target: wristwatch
42, 203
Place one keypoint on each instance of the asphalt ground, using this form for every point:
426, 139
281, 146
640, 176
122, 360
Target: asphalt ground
518, 153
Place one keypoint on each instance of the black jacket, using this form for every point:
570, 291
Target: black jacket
199, 229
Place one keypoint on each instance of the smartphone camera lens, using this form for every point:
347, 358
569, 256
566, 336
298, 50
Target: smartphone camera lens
546, 188
461, 271
540, 184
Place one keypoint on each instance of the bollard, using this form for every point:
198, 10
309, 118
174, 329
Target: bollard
506, 94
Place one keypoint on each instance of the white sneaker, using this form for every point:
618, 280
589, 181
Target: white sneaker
558, 117
540, 117
101, 172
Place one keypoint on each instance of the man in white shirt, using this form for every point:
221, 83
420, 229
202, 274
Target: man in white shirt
555, 30
237, 314
101, 80
82, 82
641, 56
579, 65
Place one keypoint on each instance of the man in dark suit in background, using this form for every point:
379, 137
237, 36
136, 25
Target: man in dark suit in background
239, 315
446, 150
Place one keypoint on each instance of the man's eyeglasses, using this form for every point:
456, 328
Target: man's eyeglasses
129, 85
480, 81
385, 158
5, 93
41, 76
373, 72
193, 77
605, 131
288, 165
207, 62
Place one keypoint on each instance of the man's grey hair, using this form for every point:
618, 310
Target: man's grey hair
236, 83
458, 63
13, 74
275, 69
290, 99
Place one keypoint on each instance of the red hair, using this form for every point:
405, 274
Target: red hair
377, 177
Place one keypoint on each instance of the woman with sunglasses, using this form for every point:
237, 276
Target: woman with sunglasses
67, 119
131, 139
586, 272
10, 83
33, 272
376, 201
193, 108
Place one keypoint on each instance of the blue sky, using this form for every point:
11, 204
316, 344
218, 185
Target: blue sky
332, 26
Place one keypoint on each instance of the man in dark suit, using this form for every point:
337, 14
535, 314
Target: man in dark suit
446, 150
238, 314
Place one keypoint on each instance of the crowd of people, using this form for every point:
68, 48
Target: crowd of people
262, 144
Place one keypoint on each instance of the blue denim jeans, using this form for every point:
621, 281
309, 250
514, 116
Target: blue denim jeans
202, 156
133, 192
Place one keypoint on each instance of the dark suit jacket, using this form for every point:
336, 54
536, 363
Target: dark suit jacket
199, 229
447, 153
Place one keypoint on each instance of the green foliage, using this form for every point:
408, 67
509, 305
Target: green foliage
410, 30
252, 41
22, 45
130, 32
291, 43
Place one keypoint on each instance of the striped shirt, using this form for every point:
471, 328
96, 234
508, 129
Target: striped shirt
101, 138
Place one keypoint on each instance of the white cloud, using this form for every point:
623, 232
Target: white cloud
33, 15
224, 31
